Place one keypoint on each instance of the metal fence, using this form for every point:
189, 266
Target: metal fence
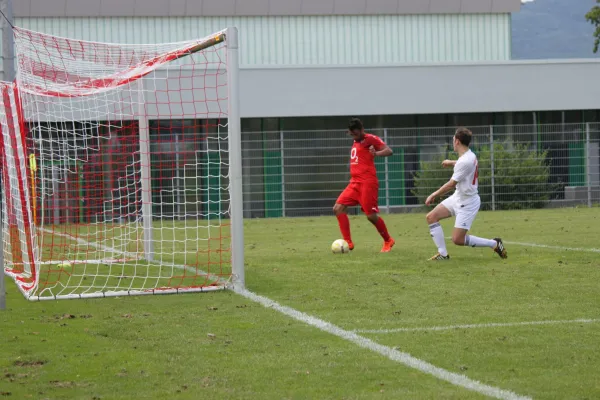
301, 173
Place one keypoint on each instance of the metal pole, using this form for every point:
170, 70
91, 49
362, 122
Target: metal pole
235, 159
2, 281
492, 167
537, 133
588, 156
145, 167
387, 174
8, 63
178, 178
282, 174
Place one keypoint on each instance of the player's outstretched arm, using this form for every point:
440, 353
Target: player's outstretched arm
448, 186
448, 163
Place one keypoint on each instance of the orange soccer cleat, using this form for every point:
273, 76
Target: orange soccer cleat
387, 245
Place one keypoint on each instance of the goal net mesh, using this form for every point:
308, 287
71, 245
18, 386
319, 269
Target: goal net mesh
115, 171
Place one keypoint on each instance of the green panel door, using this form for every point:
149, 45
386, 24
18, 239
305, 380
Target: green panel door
395, 184
273, 183
211, 185
577, 175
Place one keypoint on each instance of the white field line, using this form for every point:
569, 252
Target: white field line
547, 246
394, 355
477, 326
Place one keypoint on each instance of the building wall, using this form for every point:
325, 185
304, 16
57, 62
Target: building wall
421, 89
312, 40
224, 8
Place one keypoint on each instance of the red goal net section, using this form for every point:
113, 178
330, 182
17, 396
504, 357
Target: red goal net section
121, 167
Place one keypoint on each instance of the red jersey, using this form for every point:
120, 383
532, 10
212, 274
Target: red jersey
362, 164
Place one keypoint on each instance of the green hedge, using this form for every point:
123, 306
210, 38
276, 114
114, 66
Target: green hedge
521, 177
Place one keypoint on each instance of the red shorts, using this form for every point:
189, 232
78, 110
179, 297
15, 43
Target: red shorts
363, 193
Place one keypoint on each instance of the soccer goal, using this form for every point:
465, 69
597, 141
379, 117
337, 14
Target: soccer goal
121, 167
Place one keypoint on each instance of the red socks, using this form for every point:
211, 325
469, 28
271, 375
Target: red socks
344, 223
382, 229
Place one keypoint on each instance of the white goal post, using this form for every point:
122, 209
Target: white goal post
121, 167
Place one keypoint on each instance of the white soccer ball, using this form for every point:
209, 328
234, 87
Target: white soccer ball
340, 246
64, 264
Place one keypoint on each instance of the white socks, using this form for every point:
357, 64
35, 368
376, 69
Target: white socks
437, 233
474, 241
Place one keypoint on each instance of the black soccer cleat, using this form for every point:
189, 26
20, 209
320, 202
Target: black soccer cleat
439, 257
500, 249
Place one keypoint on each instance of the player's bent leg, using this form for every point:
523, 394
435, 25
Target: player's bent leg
379, 223
458, 236
368, 202
464, 220
495, 244
440, 212
340, 211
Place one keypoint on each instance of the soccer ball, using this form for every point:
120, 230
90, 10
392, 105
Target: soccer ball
340, 246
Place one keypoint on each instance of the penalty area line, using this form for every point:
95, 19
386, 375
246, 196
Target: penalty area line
476, 326
392, 354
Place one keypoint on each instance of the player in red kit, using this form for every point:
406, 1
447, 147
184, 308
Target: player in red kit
363, 188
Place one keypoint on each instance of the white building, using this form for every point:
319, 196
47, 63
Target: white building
403, 62
310, 64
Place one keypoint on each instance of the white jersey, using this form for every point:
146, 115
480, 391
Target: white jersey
466, 173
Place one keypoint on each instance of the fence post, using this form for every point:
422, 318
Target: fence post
492, 167
387, 176
588, 169
281, 147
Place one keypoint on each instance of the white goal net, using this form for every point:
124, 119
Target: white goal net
119, 166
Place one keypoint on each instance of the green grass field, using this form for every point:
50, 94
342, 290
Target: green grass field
223, 345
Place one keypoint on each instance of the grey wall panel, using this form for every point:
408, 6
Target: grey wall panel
40, 8
177, 8
382, 6
285, 7
82, 8
506, 5
115, 8
317, 7
445, 6
477, 6
21, 7
252, 7
466, 88
349, 7
194, 8
153, 8
218, 7
413, 7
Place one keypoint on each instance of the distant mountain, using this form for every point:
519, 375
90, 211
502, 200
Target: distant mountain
552, 29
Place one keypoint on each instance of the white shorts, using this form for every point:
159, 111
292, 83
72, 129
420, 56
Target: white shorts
464, 211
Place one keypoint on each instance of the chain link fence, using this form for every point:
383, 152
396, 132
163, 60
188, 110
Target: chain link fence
301, 173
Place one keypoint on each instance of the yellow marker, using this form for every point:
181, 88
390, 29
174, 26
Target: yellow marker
33, 170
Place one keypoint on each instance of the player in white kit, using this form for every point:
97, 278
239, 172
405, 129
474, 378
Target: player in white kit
463, 204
